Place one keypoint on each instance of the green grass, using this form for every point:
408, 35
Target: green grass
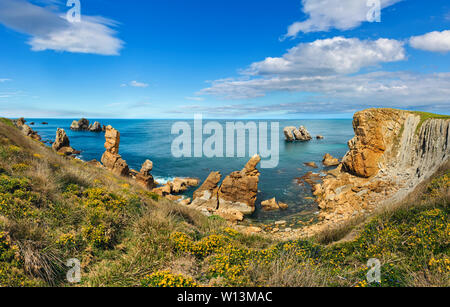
6, 121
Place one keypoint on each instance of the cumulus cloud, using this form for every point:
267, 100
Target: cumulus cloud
194, 98
329, 56
49, 29
434, 41
324, 15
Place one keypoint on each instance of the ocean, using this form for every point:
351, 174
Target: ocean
152, 139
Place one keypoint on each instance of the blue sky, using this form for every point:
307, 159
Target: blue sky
224, 59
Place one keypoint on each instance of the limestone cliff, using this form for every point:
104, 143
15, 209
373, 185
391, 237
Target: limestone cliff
392, 152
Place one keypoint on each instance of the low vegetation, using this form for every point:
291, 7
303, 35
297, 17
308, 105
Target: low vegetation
54, 208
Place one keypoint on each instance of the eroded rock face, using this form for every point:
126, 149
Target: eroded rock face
329, 160
239, 189
206, 195
62, 144
62, 140
81, 125
96, 127
273, 205
144, 177
388, 158
111, 158
235, 197
294, 134
26, 130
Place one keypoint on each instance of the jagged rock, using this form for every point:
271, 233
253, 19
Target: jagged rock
144, 178
20, 122
163, 191
320, 137
329, 160
289, 133
147, 167
392, 153
232, 215
180, 185
96, 127
273, 205
239, 189
112, 137
27, 131
81, 125
270, 205
206, 195
111, 158
304, 134
311, 164
62, 140
32, 124
294, 134
44, 123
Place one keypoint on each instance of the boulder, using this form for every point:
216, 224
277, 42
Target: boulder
163, 191
320, 137
270, 205
144, 178
62, 140
304, 134
96, 127
206, 195
239, 189
273, 205
231, 215
311, 164
289, 133
81, 125
294, 134
180, 185
329, 160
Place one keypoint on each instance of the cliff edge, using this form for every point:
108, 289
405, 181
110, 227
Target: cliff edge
393, 151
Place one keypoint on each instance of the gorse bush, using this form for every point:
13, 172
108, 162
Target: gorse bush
167, 280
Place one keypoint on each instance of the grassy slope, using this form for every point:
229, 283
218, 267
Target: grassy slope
54, 208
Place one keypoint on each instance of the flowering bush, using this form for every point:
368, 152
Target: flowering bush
168, 280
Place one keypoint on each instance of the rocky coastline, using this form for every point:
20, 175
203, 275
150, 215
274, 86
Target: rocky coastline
392, 152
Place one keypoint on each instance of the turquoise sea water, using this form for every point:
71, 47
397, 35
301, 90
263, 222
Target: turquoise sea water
152, 139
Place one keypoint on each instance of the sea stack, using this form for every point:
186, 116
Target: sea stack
111, 158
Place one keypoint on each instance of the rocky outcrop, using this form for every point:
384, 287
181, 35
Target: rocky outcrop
329, 160
293, 134
235, 197
62, 144
84, 125
239, 189
26, 130
311, 164
95, 127
177, 186
206, 195
144, 177
392, 153
111, 158
273, 205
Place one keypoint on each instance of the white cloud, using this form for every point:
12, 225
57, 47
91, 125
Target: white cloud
330, 56
138, 84
389, 89
4, 80
434, 41
324, 15
49, 30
